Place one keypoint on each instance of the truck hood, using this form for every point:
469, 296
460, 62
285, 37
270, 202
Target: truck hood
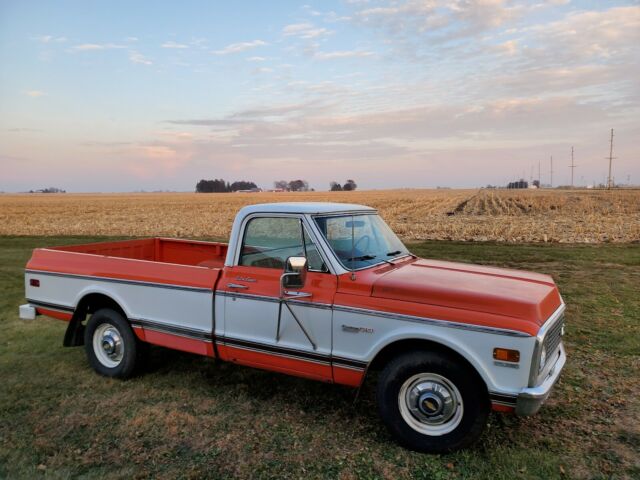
527, 296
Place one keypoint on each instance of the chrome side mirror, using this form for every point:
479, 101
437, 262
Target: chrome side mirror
295, 272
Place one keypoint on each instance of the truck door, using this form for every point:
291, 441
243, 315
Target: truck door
259, 329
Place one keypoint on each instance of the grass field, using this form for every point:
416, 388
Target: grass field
190, 417
567, 216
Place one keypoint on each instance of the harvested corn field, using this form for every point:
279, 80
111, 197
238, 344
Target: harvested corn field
575, 216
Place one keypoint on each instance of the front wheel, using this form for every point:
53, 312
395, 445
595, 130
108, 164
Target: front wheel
110, 344
431, 402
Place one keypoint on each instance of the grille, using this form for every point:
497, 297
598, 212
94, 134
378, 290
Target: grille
553, 337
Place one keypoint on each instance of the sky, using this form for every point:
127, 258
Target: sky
126, 96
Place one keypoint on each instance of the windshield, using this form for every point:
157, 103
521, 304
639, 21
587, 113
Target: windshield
360, 241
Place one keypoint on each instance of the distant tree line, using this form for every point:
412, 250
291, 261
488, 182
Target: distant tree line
348, 186
292, 185
48, 190
220, 186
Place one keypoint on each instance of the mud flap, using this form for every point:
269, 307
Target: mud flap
74, 336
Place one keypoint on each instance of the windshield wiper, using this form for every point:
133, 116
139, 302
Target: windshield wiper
395, 252
368, 257
361, 257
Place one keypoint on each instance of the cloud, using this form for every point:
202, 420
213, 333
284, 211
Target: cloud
49, 39
342, 54
607, 35
23, 130
256, 59
417, 28
240, 47
35, 93
88, 47
510, 47
137, 57
171, 44
305, 31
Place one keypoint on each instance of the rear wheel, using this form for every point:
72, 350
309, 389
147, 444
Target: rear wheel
110, 344
432, 402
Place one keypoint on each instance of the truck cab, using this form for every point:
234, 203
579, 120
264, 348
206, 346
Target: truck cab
328, 292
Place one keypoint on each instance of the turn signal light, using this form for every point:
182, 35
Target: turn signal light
506, 355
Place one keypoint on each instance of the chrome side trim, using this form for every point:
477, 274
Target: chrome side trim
378, 313
500, 398
321, 358
51, 306
265, 298
432, 321
171, 329
170, 286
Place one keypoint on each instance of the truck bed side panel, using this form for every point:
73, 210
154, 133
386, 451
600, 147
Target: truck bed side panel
172, 304
162, 250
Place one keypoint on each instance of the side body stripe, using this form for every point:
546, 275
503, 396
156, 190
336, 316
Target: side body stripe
207, 337
341, 308
170, 286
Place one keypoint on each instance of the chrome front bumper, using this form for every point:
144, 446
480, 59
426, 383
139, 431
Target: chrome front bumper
530, 400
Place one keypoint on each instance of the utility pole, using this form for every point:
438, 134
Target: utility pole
539, 176
611, 157
572, 166
551, 173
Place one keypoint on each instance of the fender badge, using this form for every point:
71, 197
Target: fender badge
349, 328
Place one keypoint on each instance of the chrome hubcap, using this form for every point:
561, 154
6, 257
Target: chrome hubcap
430, 404
108, 345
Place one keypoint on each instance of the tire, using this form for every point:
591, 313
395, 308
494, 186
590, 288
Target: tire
431, 402
110, 344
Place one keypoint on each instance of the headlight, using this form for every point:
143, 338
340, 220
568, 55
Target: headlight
543, 359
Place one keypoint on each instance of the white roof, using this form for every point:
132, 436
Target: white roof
304, 207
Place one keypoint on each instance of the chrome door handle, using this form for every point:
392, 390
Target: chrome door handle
236, 285
293, 294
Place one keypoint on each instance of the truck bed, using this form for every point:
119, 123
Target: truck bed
165, 250
158, 260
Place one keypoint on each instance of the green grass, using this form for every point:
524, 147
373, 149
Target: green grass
191, 417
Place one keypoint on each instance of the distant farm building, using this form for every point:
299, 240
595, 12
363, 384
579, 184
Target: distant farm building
518, 184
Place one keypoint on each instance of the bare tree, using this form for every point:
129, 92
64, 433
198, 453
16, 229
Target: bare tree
281, 185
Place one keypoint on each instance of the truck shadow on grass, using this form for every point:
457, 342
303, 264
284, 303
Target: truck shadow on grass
317, 401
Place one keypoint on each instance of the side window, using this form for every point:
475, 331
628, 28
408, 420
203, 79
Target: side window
313, 256
269, 241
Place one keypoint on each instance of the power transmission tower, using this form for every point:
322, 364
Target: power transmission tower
551, 173
572, 166
611, 157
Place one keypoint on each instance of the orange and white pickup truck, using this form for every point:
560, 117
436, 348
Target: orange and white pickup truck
324, 291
